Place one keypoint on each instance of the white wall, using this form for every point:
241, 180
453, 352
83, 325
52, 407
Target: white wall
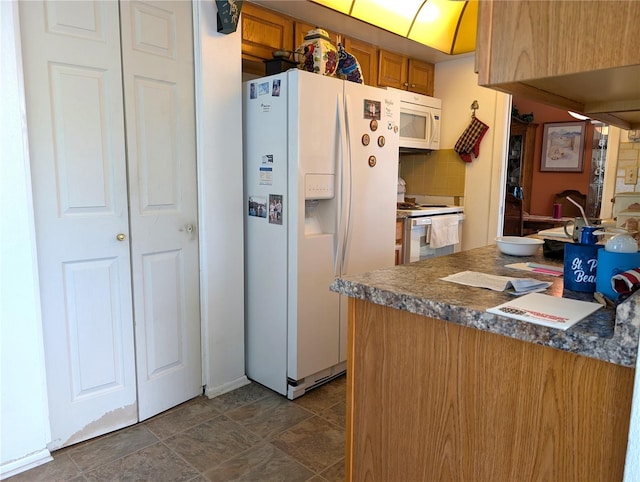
456, 84
219, 111
23, 404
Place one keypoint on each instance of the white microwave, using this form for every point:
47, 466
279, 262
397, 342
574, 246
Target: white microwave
420, 117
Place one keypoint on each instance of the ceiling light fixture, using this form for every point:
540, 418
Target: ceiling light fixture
445, 25
575, 115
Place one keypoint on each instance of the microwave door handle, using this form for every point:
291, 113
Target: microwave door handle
432, 127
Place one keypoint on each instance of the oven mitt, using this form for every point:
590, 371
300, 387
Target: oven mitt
470, 140
626, 282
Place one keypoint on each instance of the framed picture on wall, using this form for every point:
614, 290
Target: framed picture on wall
563, 146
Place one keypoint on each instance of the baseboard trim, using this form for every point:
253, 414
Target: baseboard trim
25, 463
212, 392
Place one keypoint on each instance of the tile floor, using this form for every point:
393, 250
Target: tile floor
249, 434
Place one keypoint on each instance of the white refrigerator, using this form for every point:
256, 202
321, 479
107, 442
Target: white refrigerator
321, 169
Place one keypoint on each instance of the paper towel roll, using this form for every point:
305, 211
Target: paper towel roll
611, 263
402, 189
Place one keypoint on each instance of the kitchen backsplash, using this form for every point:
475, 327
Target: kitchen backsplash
439, 173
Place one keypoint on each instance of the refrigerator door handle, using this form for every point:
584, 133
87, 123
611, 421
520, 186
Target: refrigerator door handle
347, 183
337, 254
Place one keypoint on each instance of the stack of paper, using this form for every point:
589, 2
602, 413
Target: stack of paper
554, 233
547, 269
516, 286
561, 313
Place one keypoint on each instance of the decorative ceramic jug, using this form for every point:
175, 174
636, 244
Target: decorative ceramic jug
348, 66
317, 53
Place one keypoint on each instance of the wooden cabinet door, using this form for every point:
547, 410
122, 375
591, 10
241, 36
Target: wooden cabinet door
420, 77
519, 174
392, 69
367, 55
513, 31
264, 31
546, 51
512, 225
525, 134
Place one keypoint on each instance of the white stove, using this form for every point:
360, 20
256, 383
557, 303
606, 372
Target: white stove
419, 222
431, 210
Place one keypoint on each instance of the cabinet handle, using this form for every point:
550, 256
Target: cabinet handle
413, 85
406, 84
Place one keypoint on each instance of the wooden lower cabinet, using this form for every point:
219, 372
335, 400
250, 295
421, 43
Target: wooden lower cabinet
432, 400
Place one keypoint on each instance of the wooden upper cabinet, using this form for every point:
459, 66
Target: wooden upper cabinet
401, 72
392, 69
420, 77
264, 31
302, 28
551, 52
367, 55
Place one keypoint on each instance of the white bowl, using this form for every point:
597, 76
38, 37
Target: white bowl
517, 246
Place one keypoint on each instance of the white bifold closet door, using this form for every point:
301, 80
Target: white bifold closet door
110, 112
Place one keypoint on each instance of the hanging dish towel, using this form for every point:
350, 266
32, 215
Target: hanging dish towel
444, 231
626, 282
470, 139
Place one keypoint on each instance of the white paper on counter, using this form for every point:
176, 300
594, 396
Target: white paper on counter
554, 233
517, 286
541, 309
535, 269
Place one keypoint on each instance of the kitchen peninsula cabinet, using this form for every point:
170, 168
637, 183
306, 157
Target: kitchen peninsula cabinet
438, 389
401, 72
580, 56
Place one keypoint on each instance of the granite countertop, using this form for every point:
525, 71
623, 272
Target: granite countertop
609, 334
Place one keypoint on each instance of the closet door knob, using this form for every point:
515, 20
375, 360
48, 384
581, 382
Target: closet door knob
121, 237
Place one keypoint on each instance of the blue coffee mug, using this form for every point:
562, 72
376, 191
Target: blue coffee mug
587, 236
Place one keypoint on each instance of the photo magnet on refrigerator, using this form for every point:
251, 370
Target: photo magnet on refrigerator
257, 206
275, 208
